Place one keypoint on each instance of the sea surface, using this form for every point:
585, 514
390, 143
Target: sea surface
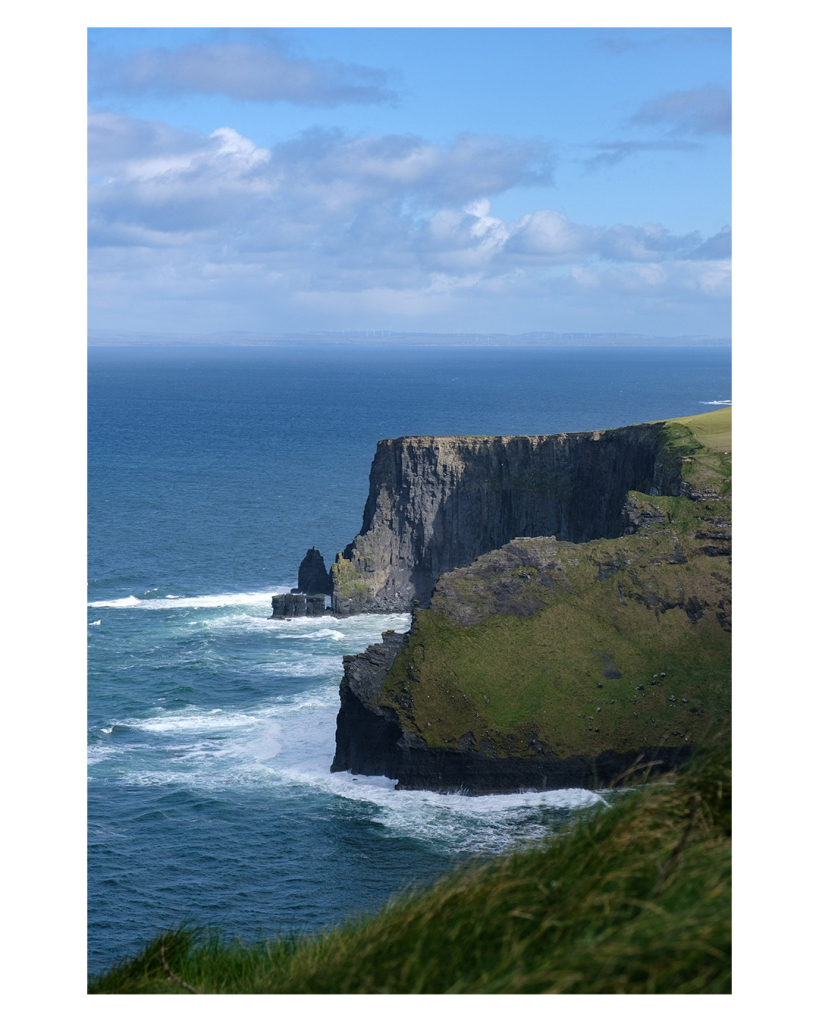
210, 727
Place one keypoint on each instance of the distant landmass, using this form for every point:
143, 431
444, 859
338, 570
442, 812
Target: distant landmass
125, 338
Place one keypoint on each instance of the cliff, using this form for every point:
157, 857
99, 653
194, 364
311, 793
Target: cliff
436, 503
552, 662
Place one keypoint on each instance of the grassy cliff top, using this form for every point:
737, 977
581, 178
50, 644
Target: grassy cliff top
703, 446
711, 429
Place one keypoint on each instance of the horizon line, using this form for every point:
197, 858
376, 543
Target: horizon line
98, 338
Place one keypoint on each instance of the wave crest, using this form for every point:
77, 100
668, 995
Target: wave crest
261, 597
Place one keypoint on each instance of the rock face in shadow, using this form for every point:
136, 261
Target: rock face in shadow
367, 734
313, 575
288, 606
436, 503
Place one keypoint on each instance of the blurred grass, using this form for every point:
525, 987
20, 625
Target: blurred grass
632, 898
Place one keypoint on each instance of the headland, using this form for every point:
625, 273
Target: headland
571, 604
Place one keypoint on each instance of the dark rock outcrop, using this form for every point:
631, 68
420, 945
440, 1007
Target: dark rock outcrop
313, 575
367, 734
436, 503
636, 513
473, 774
288, 606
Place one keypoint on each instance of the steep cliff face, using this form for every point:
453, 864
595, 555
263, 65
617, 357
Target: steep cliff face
549, 662
436, 503
368, 733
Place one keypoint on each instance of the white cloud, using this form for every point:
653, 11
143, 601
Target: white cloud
717, 247
674, 282
644, 244
550, 234
377, 224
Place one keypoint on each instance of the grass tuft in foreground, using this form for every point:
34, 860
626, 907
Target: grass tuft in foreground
633, 898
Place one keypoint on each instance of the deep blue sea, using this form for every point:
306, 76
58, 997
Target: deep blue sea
211, 728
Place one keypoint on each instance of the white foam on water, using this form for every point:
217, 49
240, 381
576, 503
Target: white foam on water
98, 752
286, 744
719, 401
206, 753
214, 748
362, 628
459, 823
303, 668
255, 600
196, 721
321, 634
97, 622
265, 743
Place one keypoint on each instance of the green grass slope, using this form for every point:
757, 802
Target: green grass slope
617, 644
633, 898
712, 429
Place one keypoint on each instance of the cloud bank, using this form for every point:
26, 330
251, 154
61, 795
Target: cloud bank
693, 112
241, 71
331, 231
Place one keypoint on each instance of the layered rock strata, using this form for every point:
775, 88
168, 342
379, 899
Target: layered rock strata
436, 503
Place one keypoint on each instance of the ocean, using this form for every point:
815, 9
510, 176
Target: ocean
210, 727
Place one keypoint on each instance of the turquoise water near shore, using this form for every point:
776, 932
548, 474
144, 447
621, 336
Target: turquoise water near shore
210, 727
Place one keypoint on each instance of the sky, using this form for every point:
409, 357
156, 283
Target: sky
412, 180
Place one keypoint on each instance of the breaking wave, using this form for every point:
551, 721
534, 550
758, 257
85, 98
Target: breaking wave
203, 601
287, 746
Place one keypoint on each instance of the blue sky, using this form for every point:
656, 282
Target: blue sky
504, 180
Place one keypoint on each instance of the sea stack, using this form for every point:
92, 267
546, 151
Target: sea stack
313, 575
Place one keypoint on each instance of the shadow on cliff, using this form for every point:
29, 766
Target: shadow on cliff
573, 487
